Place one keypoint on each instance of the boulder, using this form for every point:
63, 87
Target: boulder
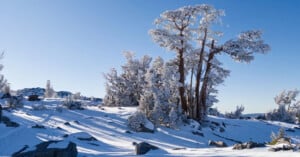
198, 133
221, 129
8, 122
43, 151
248, 145
143, 148
33, 97
36, 126
217, 143
282, 147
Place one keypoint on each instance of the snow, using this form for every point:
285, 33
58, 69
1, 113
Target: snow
108, 126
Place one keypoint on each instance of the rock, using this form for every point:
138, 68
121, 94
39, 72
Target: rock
36, 126
67, 123
283, 147
43, 151
224, 125
217, 143
33, 98
297, 148
238, 146
198, 133
8, 122
222, 129
143, 148
128, 132
87, 138
215, 123
248, 145
145, 129
290, 130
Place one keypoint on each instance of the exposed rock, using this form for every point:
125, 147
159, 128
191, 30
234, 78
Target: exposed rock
224, 125
128, 132
215, 123
87, 138
33, 98
283, 147
290, 130
179, 149
144, 129
198, 133
43, 151
36, 126
248, 145
297, 148
67, 123
8, 122
222, 129
143, 148
217, 143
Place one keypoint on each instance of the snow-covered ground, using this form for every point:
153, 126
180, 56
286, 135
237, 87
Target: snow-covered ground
108, 126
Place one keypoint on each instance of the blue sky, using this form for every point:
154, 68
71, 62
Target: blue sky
73, 42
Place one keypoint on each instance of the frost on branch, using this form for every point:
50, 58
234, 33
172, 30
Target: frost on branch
243, 48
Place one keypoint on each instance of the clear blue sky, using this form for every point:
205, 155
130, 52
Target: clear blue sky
73, 42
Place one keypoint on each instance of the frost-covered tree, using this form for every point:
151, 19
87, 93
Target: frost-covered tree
188, 31
49, 91
3, 82
160, 98
125, 89
288, 107
237, 113
286, 98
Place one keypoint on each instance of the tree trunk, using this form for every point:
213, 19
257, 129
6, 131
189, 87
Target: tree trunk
190, 98
182, 80
203, 92
198, 76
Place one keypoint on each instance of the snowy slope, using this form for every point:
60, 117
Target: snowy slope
108, 126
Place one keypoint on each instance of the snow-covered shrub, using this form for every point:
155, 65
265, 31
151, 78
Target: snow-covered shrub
14, 102
275, 137
136, 121
72, 104
38, 107
236, 114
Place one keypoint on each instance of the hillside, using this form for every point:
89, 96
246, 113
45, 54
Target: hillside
111, 137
